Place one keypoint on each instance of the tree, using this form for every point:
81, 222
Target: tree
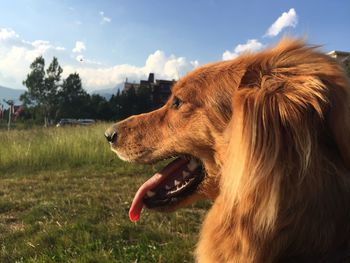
99, 108
43, 87
73, 99
52, 84
51, 97
34, 82
128, 103
115, 105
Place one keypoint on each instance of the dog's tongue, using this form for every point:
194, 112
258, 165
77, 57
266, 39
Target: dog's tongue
155, 180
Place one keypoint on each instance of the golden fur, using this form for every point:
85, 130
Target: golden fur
273, 132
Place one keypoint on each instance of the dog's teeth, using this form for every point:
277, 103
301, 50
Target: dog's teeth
150, 193
167, 187
185, 174
176, 182
192, 165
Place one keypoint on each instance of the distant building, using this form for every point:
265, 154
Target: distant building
341, 56
15, 110
161, 89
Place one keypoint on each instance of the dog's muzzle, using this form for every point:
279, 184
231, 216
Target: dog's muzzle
111, 135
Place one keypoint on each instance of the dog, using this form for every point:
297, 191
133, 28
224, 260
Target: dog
266, 136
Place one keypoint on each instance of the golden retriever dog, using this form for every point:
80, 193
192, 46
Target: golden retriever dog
266, 136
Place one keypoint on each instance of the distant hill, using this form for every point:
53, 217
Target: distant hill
107, 93
10, 94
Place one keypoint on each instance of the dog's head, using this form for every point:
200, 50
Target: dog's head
189, 128
195, 125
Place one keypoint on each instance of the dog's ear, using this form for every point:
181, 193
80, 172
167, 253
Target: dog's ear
298, 96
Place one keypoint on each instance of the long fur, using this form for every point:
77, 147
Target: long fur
285, 185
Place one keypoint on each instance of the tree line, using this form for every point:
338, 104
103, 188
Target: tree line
51, 97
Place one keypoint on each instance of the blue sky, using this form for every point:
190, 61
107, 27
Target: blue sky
107, 41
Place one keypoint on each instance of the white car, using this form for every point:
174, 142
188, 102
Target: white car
86, 121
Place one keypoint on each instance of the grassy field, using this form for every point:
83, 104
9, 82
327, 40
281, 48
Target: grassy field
64, 197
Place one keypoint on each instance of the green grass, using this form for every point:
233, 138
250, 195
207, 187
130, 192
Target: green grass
43, 148
64, 197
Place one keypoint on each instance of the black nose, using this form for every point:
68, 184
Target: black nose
111, 136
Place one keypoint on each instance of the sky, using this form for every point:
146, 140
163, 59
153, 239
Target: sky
109, 41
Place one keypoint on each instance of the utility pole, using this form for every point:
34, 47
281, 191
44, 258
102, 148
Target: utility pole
10, 103
1, 111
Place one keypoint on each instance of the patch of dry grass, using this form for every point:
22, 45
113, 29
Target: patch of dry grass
64, 197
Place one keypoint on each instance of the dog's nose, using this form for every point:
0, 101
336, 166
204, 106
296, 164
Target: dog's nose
111, 135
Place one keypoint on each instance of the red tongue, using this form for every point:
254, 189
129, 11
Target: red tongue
137, 203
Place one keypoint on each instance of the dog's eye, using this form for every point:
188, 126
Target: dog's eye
176, 103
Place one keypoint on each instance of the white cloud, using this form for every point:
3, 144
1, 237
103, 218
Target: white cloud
104, 18
17, 54
79, 47
287, 19
7, 33
167, 67
195, 63
42, 46
251, 46
15, 61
